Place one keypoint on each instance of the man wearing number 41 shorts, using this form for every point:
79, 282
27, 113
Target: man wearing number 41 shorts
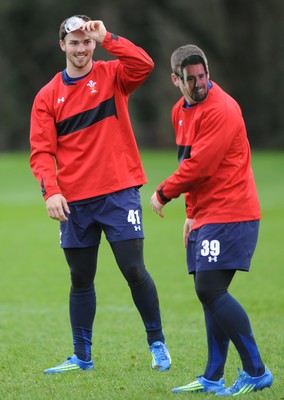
84, 154
222, 217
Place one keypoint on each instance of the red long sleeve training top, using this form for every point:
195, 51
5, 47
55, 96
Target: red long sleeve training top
82, 142
214, 154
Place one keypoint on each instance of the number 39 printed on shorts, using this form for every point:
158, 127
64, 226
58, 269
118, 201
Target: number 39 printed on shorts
210, 249
134, 219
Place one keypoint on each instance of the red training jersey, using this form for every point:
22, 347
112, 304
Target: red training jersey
214, 162
82, 142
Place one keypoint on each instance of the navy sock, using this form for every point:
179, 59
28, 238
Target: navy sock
218, 344
145, 297
82, 314
234, 320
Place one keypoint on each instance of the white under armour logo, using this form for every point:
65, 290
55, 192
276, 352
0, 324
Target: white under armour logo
60, 100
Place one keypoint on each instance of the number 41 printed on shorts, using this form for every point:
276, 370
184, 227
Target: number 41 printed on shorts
134, 219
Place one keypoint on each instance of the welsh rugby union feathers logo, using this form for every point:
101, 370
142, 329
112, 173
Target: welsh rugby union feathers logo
92, 85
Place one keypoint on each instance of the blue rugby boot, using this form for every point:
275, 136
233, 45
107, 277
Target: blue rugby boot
201, 385
246, 384
161, 359
71, 364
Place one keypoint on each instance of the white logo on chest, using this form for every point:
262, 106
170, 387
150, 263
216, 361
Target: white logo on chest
92, 85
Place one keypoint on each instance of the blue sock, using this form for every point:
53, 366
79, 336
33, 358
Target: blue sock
218, 344
145, 297
234, 320
82, 314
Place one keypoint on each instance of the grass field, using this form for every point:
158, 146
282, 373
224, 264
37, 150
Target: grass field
34, 286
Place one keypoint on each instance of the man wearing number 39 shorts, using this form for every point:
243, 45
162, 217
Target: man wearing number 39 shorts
85, 157
222, 217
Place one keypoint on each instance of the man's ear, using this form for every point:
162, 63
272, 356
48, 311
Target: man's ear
175, 79
62, 45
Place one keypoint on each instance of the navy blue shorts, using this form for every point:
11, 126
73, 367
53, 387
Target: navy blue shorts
118, 215
222, 246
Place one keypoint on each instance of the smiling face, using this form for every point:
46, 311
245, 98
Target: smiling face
79, 49
195, 80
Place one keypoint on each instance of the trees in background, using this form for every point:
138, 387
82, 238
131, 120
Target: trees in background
242, 40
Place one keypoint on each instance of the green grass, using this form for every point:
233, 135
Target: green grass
34, 286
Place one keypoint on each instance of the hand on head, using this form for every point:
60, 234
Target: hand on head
95, 29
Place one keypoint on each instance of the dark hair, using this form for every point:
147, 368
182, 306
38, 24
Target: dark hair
193, 60
62, 31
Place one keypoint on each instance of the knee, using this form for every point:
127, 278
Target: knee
81, 281
211, 285
136, 275
207, 294
202, 294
